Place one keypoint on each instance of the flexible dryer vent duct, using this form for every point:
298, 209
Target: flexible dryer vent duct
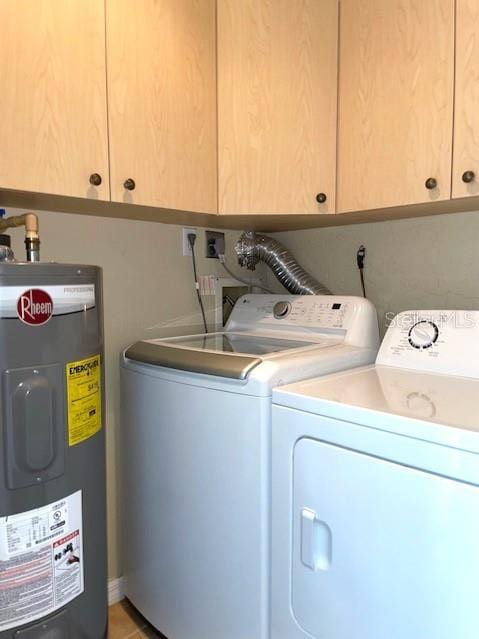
252, 248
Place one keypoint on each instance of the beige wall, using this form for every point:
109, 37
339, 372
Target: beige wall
430, 262
423, 263
148, 290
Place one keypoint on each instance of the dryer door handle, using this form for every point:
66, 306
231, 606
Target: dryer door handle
316, 541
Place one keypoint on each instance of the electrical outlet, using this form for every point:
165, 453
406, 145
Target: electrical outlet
186, 244
215, 244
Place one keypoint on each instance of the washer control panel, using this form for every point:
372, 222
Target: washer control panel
444, 342
294, 311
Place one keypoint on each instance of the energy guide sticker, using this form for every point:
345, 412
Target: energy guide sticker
41, 561
83, 399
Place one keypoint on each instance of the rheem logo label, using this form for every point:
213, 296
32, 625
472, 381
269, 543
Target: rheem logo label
35, 307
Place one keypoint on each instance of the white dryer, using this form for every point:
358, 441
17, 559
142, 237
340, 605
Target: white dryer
196, 423
375, 498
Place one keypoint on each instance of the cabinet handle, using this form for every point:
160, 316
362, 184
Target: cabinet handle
129, 184
321, 198
431, 183
468, 176
95, 179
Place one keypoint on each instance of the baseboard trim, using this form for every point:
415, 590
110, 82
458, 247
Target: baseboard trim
115, 591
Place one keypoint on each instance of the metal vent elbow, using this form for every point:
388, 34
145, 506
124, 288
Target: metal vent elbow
252, 248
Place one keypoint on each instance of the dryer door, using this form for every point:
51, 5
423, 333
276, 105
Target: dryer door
381, 550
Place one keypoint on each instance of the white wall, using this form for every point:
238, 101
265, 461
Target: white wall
421, 263
148, 291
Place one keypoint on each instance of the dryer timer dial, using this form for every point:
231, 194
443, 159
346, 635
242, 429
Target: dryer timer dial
423, 334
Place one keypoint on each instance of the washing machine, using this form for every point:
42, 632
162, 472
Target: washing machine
196, 427
375, 491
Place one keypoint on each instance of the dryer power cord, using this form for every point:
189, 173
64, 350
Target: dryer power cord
360, 257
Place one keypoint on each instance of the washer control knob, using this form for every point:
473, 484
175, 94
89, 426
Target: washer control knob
423, 334
281, 309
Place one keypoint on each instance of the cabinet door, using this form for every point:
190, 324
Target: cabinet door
162, 102
277, 87
53, 116
465, 176
395, 102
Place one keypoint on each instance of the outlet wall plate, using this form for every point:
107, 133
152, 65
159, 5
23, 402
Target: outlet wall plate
186, 245
215, 244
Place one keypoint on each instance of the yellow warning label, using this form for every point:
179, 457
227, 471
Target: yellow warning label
83, 399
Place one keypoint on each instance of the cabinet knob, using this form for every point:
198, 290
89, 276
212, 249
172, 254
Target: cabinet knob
129, 184
321, 198
95, 179
431, 183
468, 176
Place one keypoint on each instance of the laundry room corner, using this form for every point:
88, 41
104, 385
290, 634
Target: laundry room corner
239, 319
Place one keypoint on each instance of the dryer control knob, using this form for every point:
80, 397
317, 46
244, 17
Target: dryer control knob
423, 334
281, 309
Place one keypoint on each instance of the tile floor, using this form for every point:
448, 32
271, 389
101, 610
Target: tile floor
126, 623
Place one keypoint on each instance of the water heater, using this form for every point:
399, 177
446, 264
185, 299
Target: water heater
52, 453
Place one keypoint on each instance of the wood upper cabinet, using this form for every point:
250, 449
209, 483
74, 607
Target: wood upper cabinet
465, 172
277, 87
395, 102
162, 103
53, 113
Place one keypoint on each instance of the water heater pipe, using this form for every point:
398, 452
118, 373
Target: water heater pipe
32, 237
252, 248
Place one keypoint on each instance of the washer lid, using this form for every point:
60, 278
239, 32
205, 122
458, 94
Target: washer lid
207, 362
232, 355
243, 343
